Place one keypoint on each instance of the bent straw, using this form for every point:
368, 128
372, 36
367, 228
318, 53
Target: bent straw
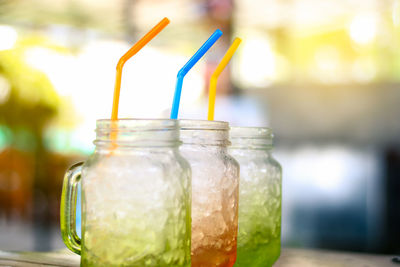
186, 68
214, 77
132, 51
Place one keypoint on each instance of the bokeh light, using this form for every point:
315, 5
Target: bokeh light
363, 28
8, 38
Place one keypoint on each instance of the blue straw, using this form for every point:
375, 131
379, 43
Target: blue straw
185, 69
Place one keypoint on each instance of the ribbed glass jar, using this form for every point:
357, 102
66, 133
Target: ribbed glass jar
215, 180
259, 236
135, 197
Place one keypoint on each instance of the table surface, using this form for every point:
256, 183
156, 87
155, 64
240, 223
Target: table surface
289, 258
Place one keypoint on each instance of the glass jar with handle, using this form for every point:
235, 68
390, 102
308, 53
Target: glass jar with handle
259, 236
136, 198
215, 180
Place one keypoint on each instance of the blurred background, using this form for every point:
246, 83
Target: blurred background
324, 75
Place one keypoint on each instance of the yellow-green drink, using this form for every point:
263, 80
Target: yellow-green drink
136, 198
259, 235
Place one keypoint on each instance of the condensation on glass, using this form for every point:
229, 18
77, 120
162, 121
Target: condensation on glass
135, 197
215, 179
259, 235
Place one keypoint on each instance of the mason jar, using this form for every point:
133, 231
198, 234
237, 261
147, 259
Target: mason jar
259, 236
215, 180
135, 197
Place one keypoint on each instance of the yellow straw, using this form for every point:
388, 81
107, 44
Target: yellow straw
214, 77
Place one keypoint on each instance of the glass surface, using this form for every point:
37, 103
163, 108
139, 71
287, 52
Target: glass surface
259, 236
215, 178
136, 196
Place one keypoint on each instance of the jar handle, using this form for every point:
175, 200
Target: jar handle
68, 208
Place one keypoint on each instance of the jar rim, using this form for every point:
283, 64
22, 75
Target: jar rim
137, 133
251, 132
138, 124
186, 124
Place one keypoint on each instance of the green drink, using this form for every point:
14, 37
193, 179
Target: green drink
259, 224
136, 197
259, 235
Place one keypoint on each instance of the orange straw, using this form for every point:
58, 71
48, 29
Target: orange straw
134, 49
